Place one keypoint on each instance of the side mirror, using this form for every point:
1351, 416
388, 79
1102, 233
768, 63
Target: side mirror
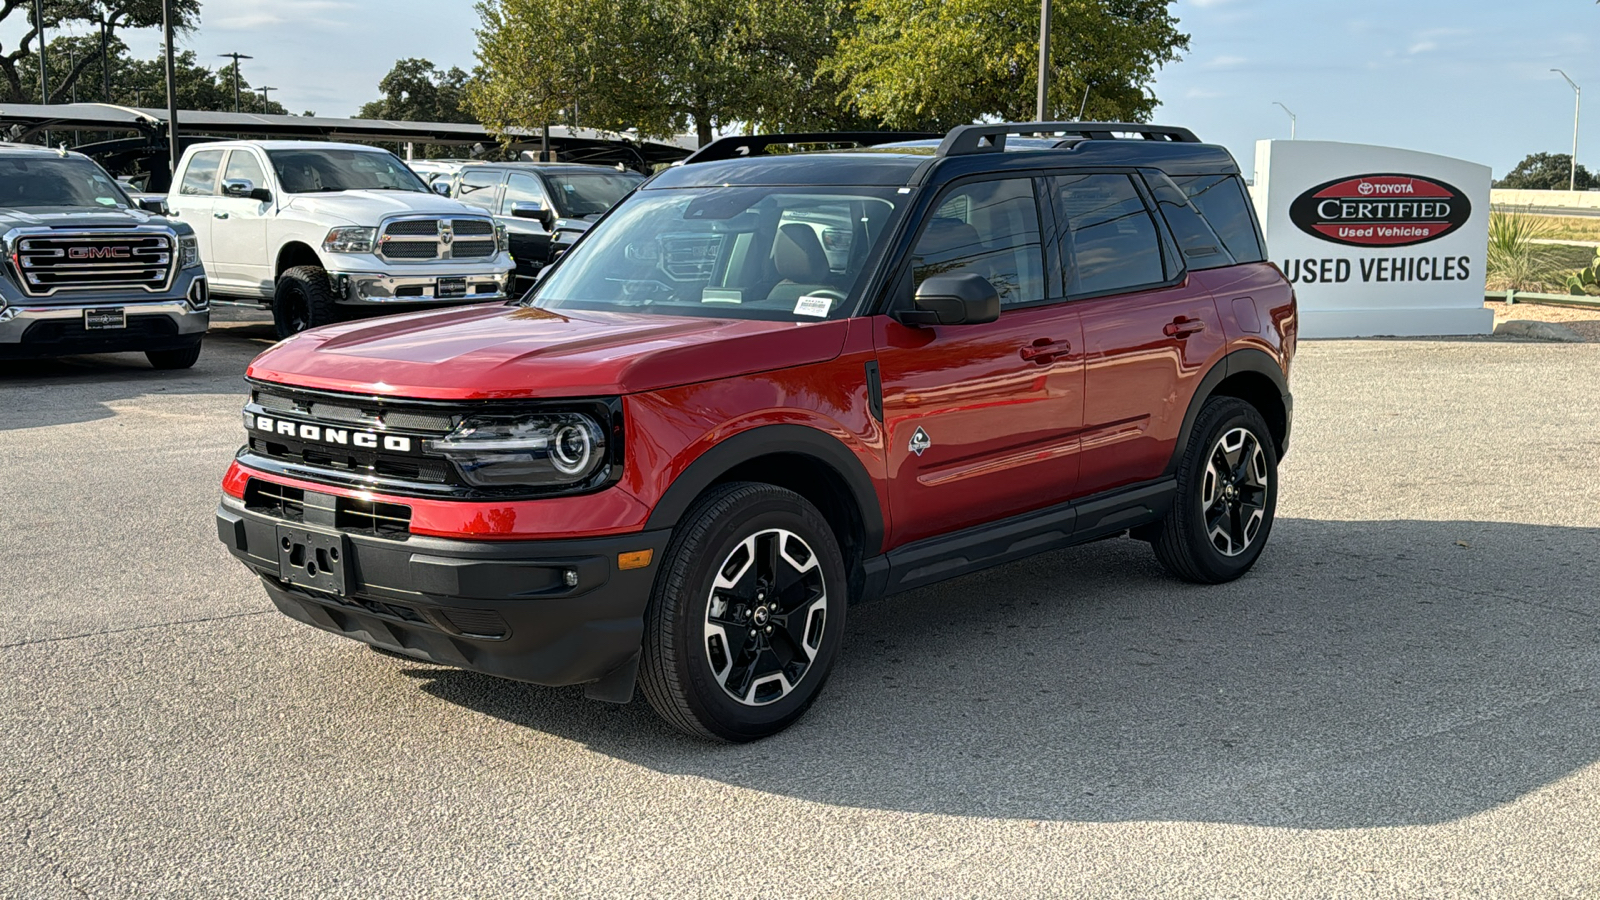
963, 299
153, 205
261, 194
533, 210
237, 187
441, 187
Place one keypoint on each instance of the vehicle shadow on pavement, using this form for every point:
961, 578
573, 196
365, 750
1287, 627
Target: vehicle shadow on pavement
1369, 673
55, 391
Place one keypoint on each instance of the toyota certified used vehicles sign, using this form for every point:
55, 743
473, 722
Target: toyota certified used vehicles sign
1385, 210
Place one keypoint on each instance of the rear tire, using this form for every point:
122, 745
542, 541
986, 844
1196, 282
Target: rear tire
181, 358
746, 616
304, 298
1227, 496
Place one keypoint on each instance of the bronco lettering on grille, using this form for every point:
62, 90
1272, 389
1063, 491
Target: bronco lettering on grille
342, 437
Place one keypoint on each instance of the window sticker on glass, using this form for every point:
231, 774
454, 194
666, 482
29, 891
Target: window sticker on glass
813, 305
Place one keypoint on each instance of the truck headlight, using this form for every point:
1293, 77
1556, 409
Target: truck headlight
189, 250
541, 450
502, 238
350, 239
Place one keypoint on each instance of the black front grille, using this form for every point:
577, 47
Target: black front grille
478, 623
474, 249
51, 331
410, 250
392, 520
471, 227
413, 228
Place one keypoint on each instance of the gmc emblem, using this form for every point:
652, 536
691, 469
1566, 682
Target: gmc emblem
99, 253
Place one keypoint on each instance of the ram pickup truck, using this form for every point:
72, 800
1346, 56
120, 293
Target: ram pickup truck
319, 230
88, 270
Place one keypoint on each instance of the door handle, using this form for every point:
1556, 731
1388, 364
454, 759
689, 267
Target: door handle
1182, 327
1045, 350
221, 215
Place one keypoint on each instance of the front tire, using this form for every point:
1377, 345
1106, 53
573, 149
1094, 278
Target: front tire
304, 298
747, 614
1227, 496
181, 358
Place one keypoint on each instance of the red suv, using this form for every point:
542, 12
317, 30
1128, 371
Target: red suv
771, 384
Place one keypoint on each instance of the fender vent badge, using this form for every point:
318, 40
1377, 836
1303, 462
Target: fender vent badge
920, 441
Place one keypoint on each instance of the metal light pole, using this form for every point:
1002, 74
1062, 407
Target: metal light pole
1292, 120
172, 90
235, 57
105, 64
1042, 107
1577, 107
264, 90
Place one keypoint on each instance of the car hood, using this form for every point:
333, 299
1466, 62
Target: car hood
367, 207
75, 217
498, 351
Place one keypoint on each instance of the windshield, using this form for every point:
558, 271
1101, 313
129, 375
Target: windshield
58, 181
580, 194
318, 171
783, 253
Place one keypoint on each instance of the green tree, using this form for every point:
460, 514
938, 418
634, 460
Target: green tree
658, 66
939, 63
19, 66
1546, 172
415, 90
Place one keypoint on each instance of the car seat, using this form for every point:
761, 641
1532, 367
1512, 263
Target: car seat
798, 256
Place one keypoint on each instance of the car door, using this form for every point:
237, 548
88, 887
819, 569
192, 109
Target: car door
191, 200
1149, 331
981, 420
479, 187
530, 240
239, 226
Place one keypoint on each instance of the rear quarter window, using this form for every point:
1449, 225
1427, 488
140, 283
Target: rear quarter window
1222, 200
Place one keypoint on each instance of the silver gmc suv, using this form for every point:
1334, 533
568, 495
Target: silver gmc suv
87, 270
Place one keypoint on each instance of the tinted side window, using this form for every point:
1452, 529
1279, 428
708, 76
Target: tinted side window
478, 189
990, 228
1110, 241
1201, 247
200, 179
522, 188
242, 164
1222, 200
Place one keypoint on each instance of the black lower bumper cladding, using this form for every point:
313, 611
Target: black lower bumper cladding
546, 612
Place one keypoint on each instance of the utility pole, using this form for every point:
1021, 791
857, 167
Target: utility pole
235, 57
1042, 106
105, 63
72, 63
172, 91
264, 90
1577, 107
1292, 120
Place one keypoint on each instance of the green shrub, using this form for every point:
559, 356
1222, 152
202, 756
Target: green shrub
1514, 261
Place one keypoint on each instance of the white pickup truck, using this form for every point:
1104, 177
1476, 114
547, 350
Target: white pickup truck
315, 229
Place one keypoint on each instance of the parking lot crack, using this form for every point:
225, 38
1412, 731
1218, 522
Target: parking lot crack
91, 634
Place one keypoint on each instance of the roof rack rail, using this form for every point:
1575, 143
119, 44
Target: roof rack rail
966, 139
738, 146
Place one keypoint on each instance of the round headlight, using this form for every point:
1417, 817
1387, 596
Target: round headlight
571, 450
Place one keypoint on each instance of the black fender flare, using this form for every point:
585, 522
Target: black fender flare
765, 440
1246, 360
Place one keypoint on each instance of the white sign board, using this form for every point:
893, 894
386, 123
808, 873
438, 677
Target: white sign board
1377, 240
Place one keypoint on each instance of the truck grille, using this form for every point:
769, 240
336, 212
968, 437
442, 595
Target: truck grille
427, 239
349, 514
47, 263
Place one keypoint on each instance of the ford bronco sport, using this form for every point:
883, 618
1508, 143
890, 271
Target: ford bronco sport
767, 386
89, 270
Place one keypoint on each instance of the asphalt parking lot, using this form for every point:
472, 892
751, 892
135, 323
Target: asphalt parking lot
1401, 699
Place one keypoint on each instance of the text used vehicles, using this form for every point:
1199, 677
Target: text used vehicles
318, 229
543, 207
768, 386
87, 270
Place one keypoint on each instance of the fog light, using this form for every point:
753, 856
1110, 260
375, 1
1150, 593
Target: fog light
570, 577
199, 295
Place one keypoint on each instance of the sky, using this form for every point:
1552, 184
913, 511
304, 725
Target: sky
1464, 78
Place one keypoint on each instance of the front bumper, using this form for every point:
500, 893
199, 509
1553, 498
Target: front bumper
500, 608
378, 289
29, 328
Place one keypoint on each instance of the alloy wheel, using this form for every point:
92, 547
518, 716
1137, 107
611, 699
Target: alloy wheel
765, 617
1233, 493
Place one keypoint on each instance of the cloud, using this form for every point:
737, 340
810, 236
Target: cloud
1201, 94
249, 14
1226, 62
1208, 4
1422, 47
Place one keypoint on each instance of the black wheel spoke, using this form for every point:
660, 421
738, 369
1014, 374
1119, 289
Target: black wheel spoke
1233, 491
762, 602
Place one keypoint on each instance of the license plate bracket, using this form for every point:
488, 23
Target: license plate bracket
446, 288
105, 318
313, 559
